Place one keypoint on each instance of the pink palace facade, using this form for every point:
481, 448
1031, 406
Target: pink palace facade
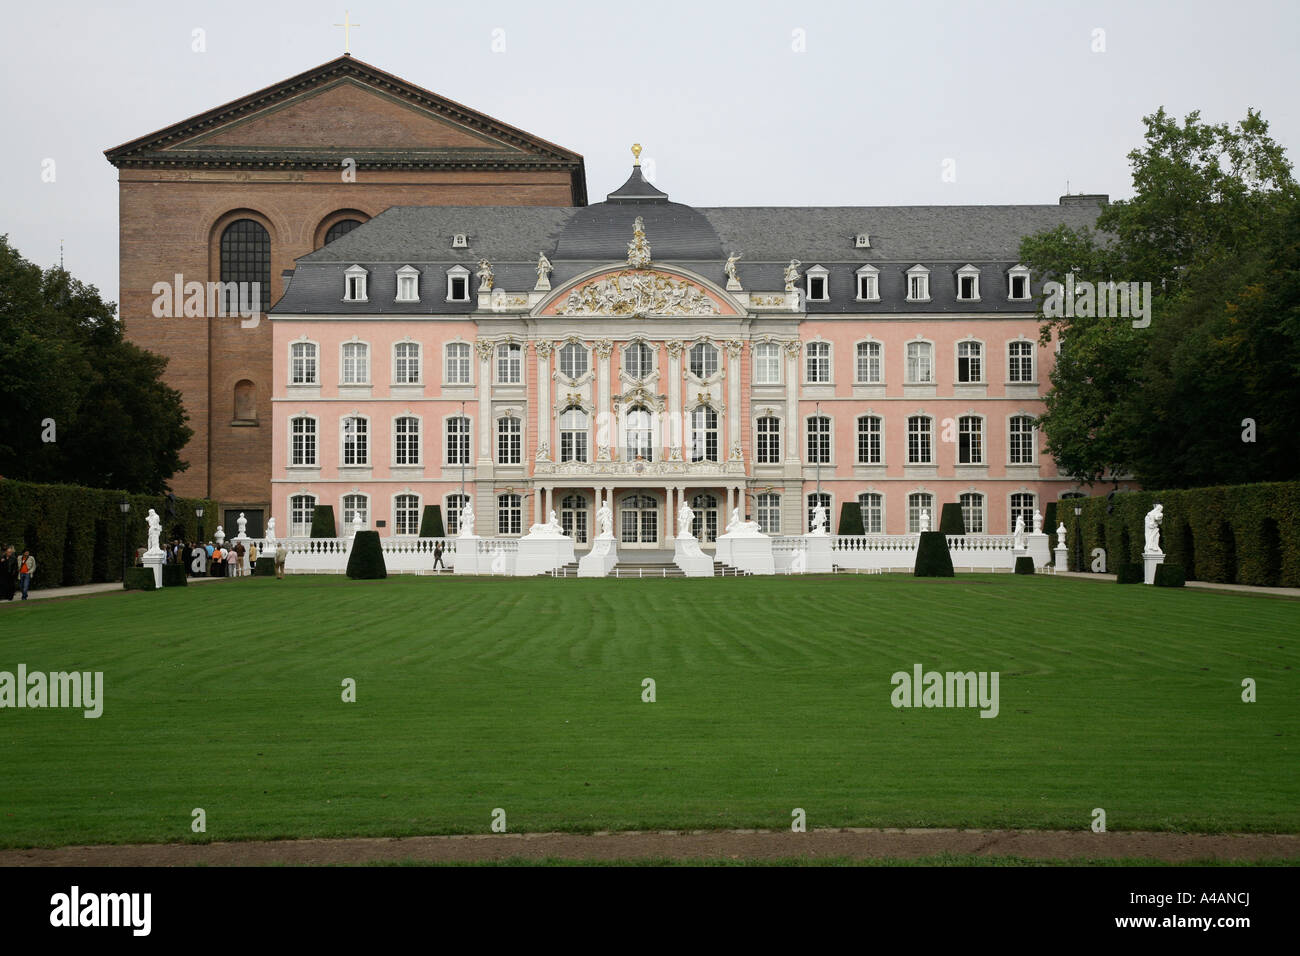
646, 352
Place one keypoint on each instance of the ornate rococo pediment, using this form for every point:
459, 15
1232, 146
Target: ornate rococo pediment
635, 292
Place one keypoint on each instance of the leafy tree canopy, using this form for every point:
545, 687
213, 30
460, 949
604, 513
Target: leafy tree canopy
67, 374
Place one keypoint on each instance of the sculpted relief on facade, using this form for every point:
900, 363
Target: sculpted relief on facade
638, 293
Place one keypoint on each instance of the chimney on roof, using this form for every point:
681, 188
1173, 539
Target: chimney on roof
1085, 199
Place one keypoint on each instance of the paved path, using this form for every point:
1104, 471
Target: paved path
1202, 585
853, 843
80, 590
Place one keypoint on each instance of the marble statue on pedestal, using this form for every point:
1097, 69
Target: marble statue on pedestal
605, 520
269, 544
924, 521
1038, 521
1152, 527
685, 518
154, 524
466, 521
818, 520
1060, 535
1018, 535
551, 528
219, 536
485, 278
792, 274
735, 520
544, 270
242, 522
733, 281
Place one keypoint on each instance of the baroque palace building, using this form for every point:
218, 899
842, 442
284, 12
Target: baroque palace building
236, 194
645, 352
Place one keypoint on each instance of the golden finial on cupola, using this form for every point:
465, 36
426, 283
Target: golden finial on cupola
636, 154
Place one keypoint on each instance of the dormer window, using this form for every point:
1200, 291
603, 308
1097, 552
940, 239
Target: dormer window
1018, 283
457, 284
918, 284
460, 241
818, 286
862, 241
868, 284
354, 284
408, 284
968, 283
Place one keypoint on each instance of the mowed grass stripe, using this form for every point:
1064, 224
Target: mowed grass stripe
525, 694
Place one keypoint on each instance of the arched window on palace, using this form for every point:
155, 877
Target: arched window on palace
246, 258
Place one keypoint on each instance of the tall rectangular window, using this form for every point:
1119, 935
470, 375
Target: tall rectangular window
868, 363
509, 364
303, 441
917, 503
304, 363
1020, 444
406, 441
301, 508
767, 364
356, 363
1020, 361
970, 440
458, 441
406, 363
819, 362
819, 440
769, 513
458, 363
454, 504
406, 514
509, 514
919, 448
972, 512
872, 505
1023, 504
920, 363
819, 498
970, 362
509, 432
356, 441
869, 440
769, 440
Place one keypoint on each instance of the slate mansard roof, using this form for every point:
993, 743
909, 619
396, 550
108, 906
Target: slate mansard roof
578, 239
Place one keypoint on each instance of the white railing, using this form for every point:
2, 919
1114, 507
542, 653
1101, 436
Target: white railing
330, 555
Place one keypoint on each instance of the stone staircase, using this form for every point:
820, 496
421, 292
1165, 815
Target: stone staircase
721, 570
569, 570
629, 569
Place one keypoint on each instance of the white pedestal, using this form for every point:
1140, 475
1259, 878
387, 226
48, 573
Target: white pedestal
540, 554
693, 562
466, 560
1149, 564
1039, 548
752, 553
1062, 559
818, 554
244, 540
154, 560
600, 560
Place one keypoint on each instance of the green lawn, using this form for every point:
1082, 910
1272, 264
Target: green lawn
773, 693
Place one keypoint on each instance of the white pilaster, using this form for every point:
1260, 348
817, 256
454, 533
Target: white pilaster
603, 347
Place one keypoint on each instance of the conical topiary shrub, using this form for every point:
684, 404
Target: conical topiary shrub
932, 557
431, 522
850, 518
950, 520
366, 562
322, 522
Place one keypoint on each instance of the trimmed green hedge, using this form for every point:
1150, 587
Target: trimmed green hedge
366, 562
950, 519
322, 522
1230, 534
1130, 572
76, 533
850, 518
1024, 564
174, 576
265, 567
138, 579
431, 522
1170, 576
932, 557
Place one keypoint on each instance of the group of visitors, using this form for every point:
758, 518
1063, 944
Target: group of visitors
218, 559
16, 572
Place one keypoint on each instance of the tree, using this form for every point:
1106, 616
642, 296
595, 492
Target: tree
1212, 228
78, 403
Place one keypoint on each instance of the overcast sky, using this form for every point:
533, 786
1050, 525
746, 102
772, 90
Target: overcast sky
729, 108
